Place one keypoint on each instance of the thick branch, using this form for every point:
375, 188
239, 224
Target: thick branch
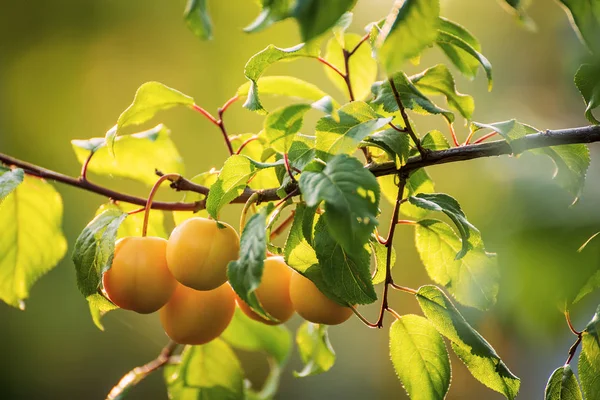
35, 170
587, 134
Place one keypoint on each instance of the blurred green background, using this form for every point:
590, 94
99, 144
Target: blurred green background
69, 67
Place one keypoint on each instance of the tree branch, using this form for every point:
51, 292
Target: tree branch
138, 374
586, 134
35, 170
406, 120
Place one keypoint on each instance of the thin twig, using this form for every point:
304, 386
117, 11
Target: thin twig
409, 128
245, 143
364, 39
468, 139
380, 238
330, 65
138, 374
403, 288
208, 115
252, 200
347, 74
219, 122
288, 168
225, 106
406, 222
389, 245
137, 211
363, 319
287, 197
395, 127
573, 349
485, 137
279, 230
221, 126
571, 327
393, 312
84, 167
453, 134
153, 191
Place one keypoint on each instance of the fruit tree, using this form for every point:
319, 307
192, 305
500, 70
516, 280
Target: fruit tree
325, 186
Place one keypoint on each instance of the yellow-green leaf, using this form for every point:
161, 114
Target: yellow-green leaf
136, 156
31, 240
315, 349
362, 66
420, 358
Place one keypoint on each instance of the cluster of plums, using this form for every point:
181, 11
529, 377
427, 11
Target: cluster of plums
185, 278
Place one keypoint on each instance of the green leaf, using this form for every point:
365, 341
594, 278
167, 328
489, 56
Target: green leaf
363, 67
315, 349
587, 80
572, 162
206, 179
449, 206
474, 351
99, 306
439, 81
340, 27
197, 18
284, 86
341, 136
9, 181
208, 372
132, 225
351, 196
563, 385
232, 181
380, 252
31, 240
136, 156
510, 130
259, 149
259, 62
245, 273
411, 27
316, 17
410, 95
420, 358
272, 11
589, 376
346, 273
246, 334
283, 124
589, 358
149, 99
298, 253
463, 49
585, 17
591, 285
473, 280
393, 142
94, 250
435, 140
302, 151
